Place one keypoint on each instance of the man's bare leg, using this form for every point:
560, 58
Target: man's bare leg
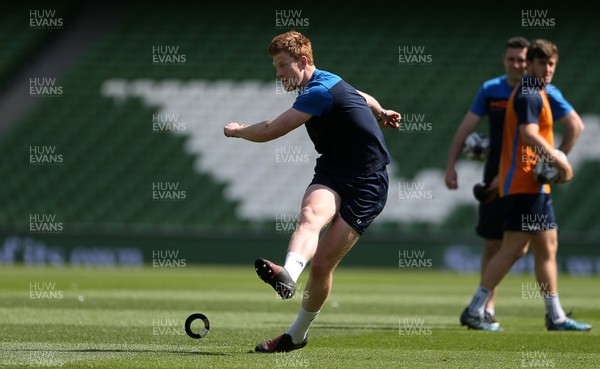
336, 241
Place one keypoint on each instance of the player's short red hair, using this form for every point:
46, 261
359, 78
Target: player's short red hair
294, 43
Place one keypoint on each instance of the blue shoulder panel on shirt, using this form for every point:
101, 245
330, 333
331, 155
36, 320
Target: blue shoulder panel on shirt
495, 87
528, 106
315, 98
558, 104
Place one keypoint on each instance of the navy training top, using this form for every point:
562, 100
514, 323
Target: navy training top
342, 127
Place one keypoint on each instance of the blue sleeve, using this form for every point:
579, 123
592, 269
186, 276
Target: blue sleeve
558, 104
478, 107
315, 100
528, 108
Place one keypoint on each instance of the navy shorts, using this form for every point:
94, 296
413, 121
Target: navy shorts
362, 197
529, 213
491, 216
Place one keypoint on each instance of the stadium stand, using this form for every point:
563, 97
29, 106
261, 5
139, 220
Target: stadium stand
19, 45
112, 158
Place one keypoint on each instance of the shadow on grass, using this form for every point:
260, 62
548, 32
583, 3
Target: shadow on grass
370, 327
386, 327
179, 352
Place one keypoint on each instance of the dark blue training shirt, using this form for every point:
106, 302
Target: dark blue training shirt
491, 100
342, 128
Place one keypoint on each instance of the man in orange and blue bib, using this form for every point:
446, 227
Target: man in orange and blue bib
528, 213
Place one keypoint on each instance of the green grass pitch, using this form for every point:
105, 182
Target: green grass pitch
374, 318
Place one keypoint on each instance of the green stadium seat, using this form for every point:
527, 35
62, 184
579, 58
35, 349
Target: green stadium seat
112, 157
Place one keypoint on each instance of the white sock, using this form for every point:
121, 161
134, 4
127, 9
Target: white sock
294, 264
554, 308
299, 329
492, 312
477, 305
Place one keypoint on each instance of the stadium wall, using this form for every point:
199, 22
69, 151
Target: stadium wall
451, 252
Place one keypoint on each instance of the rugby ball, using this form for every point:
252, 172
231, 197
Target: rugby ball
545, 172
479, 191
476, 146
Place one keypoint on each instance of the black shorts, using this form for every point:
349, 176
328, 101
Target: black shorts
363, 197
490, 219
529, 213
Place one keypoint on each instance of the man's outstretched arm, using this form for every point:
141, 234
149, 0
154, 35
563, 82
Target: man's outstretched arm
269, 129
385, 117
